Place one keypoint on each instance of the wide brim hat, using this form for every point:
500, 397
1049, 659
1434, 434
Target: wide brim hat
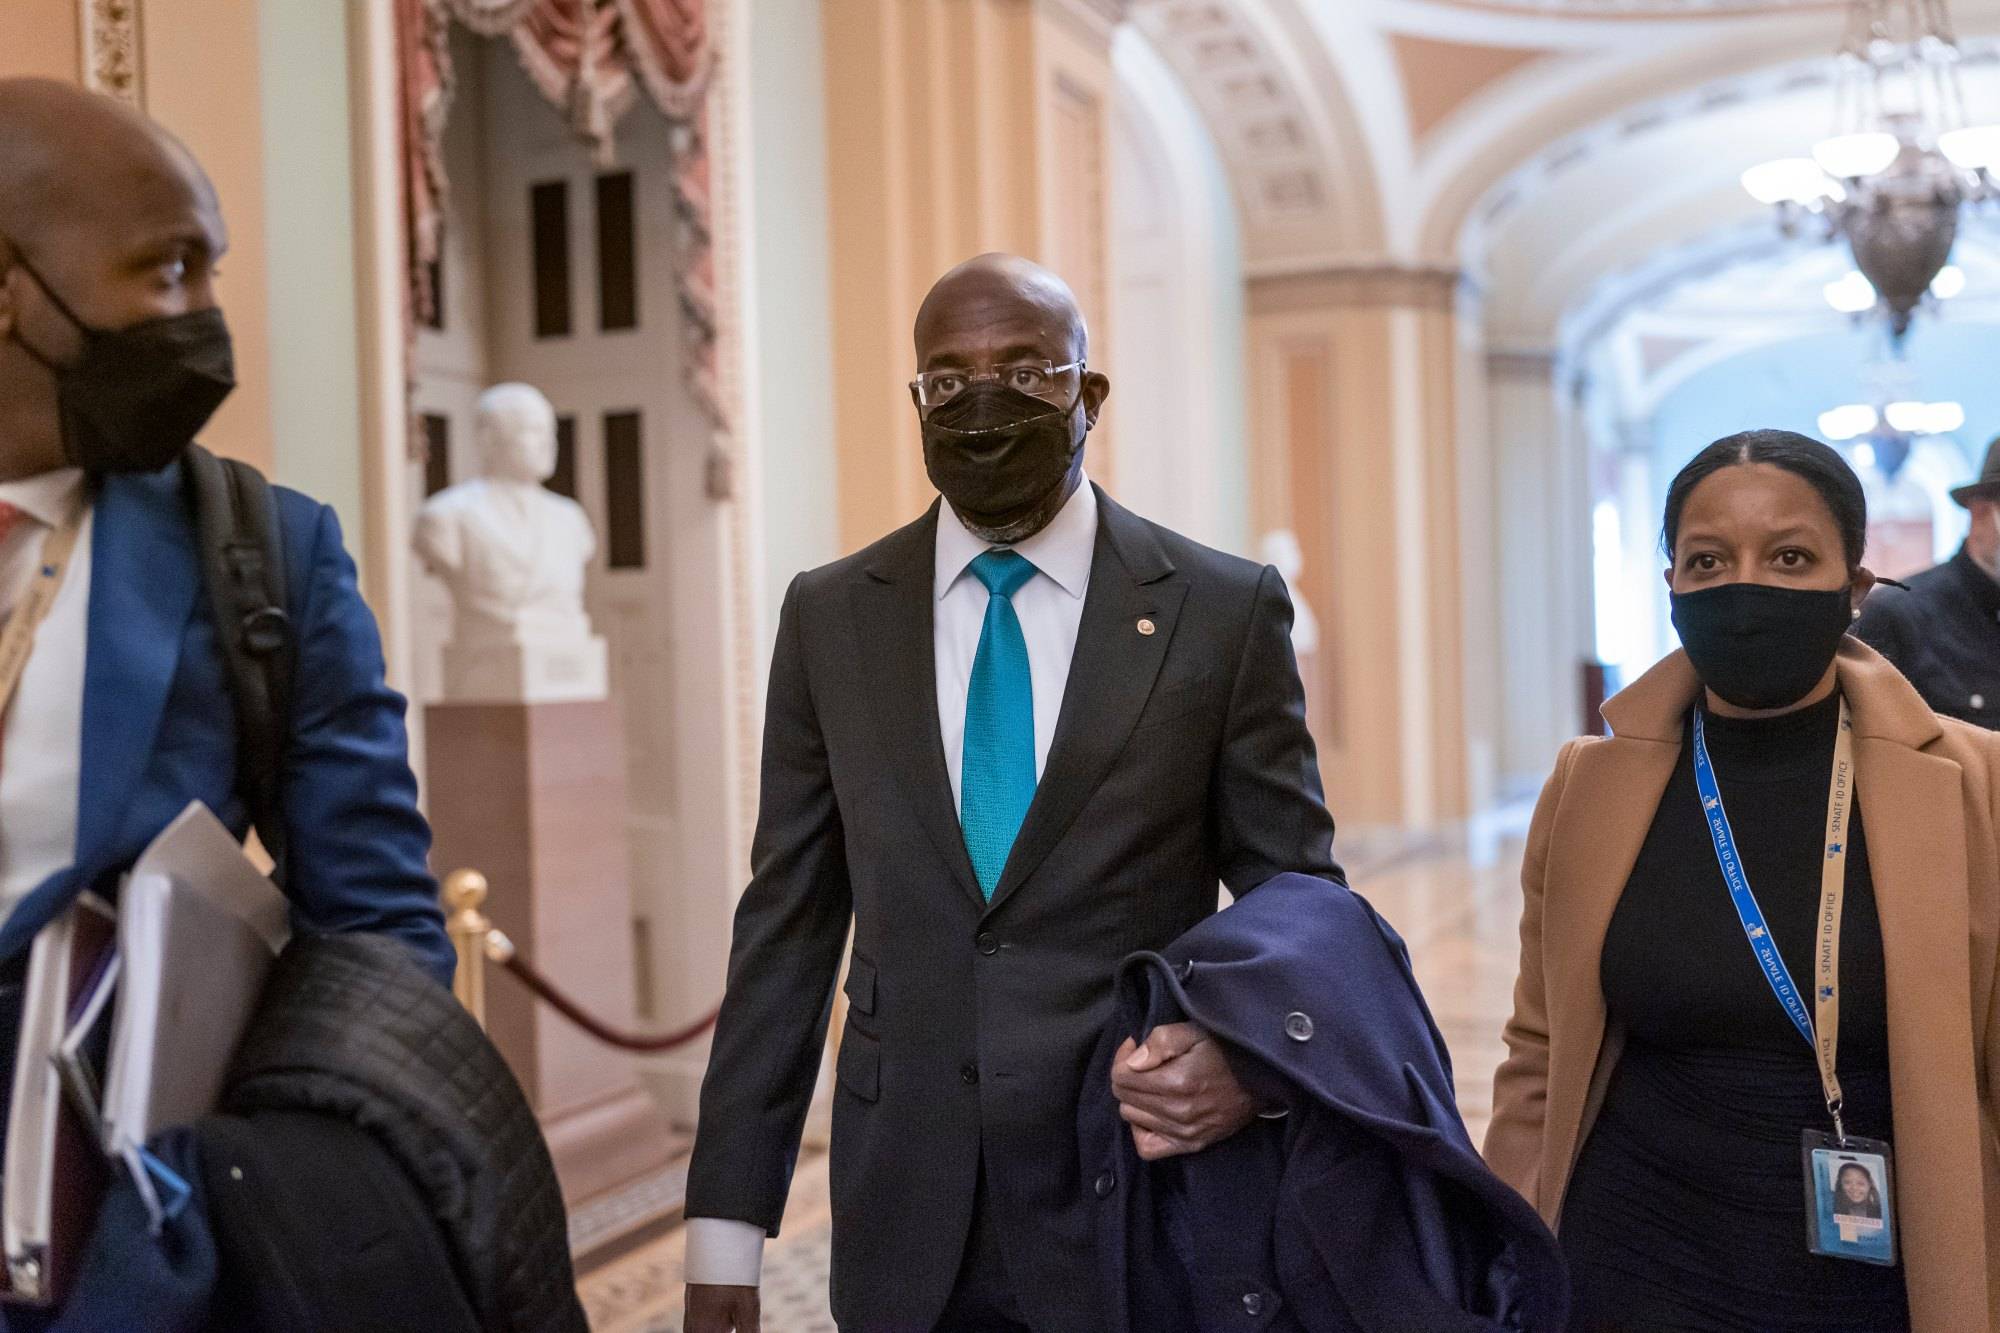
1988, 485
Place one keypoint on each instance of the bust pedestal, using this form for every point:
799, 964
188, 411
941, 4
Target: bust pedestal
533, 796
515, 670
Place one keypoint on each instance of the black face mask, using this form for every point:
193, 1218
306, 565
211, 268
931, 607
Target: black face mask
1760, 647
135, 398
999, 454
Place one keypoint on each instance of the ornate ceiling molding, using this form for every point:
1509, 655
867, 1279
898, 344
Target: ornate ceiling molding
1296, 185
1103, 15
111, 51
1395, 286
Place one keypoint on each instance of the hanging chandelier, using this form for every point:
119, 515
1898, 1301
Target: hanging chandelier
1903, 162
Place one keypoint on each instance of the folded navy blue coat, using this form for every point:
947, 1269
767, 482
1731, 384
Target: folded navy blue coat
1365, 1208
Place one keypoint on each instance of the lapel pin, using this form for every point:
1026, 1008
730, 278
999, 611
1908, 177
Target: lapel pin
1147, 627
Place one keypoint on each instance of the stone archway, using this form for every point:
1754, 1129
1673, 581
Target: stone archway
1292, 143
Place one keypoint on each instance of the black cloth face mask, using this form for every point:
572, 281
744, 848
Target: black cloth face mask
998, 454
1760, 647
135, 398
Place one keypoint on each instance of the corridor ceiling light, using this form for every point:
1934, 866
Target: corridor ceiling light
1847, 156
1789, 180
1949, 282
1925, 418
1901, 165
1972, 148
1851, 295
1846, 423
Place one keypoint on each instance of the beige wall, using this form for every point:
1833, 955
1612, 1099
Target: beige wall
953, 127
39, 37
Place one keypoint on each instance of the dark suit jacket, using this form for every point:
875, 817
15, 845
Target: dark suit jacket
1181, 759
1944, 634
159, 729
1365, 1209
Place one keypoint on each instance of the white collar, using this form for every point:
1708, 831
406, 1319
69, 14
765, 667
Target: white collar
47, 497
1062, 550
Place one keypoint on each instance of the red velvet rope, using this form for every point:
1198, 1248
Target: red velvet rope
649, 1044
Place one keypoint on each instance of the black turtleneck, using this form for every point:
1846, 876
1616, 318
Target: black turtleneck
1687, 1207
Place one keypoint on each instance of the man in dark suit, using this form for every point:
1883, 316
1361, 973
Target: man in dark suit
115, 711
1943, 631
1011, 743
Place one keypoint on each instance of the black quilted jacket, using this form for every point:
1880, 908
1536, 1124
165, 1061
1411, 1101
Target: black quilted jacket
351, 1027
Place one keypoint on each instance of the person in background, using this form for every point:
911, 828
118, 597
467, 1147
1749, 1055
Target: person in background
1943, 632
1658, 1085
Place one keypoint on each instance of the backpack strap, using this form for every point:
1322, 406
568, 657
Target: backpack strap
243, 565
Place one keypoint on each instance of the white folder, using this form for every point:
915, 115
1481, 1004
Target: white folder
197, 929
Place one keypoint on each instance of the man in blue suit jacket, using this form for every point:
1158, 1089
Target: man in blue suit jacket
115, 710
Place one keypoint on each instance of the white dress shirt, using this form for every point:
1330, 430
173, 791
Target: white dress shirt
1049, 606
41, 736
726, 1252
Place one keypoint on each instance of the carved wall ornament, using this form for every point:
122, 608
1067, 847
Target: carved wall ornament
111, 50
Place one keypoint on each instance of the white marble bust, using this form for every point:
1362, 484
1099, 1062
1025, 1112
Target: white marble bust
1282, 552
513, 554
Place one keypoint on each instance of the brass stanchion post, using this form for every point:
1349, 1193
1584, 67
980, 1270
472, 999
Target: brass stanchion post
464, 895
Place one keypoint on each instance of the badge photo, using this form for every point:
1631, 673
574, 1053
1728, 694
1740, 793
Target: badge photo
1850, 1201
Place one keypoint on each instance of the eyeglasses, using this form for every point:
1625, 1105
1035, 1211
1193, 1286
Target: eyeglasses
1040, 379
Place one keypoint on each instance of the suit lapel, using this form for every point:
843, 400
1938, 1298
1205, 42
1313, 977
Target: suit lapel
1617, 786
1615, 789
894, 606
1110, 679
143, 580
1914, 807
1914, 804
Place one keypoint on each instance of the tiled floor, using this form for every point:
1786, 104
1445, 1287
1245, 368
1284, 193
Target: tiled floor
1457, 913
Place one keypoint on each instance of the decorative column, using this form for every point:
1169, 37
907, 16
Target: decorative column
954, 127
1541, 493
1354, 423
532, 794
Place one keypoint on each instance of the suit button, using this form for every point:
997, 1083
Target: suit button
1979, 701
988, 943
1298, 1027
1253, 1303
968, 1074
1105, 1184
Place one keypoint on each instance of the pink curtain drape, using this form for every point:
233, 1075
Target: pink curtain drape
591, 59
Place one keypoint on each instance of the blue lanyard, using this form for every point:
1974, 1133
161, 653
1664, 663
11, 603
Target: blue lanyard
1769, 960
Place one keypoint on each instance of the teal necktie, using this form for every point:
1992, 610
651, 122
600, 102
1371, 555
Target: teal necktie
997, 780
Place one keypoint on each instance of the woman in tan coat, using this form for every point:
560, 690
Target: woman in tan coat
1661, 1094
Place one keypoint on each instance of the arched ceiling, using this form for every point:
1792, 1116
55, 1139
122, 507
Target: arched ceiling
1544, 146
1296, 158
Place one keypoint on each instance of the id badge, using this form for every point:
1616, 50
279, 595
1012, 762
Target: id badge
1850, 1198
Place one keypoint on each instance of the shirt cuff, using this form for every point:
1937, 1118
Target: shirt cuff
722, 1252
